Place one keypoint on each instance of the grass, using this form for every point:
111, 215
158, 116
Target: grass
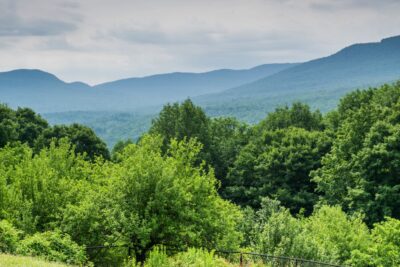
20, 261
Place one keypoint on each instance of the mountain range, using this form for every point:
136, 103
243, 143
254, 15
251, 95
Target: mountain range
320, 82
45, 93
247, 94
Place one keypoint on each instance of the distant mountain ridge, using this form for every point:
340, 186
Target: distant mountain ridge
162, 88
46, 93
319, 82
125, 107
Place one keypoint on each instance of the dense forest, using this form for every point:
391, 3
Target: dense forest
299, 183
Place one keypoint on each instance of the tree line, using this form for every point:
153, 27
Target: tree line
299, 183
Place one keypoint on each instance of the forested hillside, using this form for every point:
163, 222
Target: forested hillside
319, 83
299, 183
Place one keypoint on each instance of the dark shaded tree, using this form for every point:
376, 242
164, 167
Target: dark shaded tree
278, 166
361, 171
228, 136
298, 115
81, 137
22, 125
30, 125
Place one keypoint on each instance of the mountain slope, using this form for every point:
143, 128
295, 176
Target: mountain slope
41, 91
162, 88
46, 93
319, 82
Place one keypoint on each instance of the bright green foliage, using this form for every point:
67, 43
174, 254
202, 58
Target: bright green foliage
361, 171
35, 188
152, 198
52, 246
118, 148
328, 235
384, 250
65, 192
198, 257
174, 203
275, 230
335, 234
9, 237
278, 166
83, 138
158, 257
191, 258
7, 260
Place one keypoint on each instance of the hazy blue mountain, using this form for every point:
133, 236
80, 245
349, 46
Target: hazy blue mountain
41, 91
319, 82
44, 92
162, 88
124, 108
178, 84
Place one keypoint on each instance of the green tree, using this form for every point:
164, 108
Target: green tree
83, 138
8, 125
30, 125
228, 136
298, 115
36, 187
183, 121
22, 125
384, 250
328, 235
278, 166
151, 198
119, 147
361, 171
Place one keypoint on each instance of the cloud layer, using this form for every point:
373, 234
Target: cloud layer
101, 40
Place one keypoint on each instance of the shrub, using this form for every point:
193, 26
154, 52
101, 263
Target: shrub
53, 246
199, 257
328, 235
158, 257
9, 237
385, 248
191, 258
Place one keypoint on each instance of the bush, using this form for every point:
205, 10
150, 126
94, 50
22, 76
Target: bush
158, 257
9, 237
385, 248
191, 258
335, 234
328, 235
53, 246
199, 257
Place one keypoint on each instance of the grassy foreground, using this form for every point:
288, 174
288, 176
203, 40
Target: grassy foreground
21, 261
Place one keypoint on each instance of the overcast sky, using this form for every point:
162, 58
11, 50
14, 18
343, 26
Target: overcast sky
101, 40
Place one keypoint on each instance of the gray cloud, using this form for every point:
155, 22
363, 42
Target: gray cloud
34, 28
100, 40
329, 6
14, 24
